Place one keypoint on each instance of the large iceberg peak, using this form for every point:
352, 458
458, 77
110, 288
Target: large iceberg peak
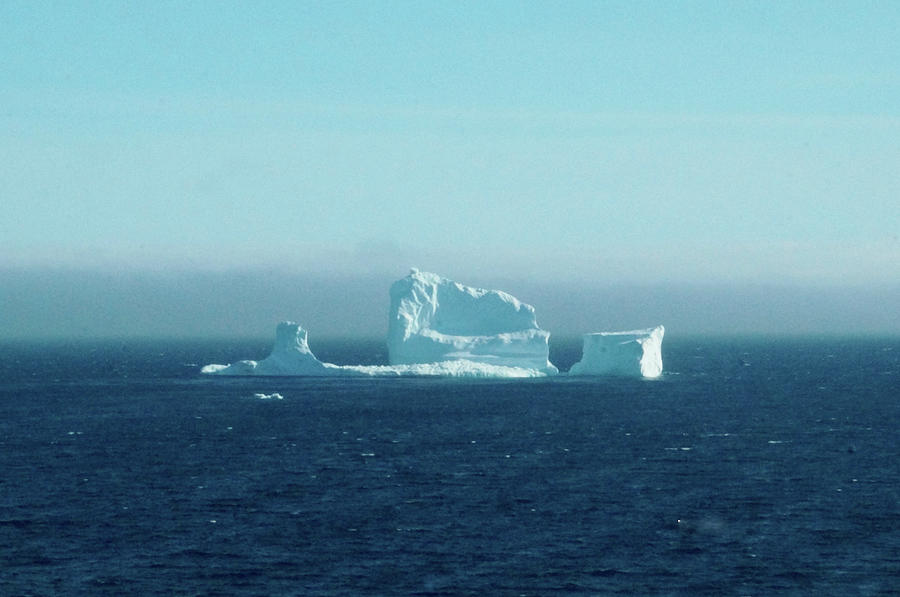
426, 301
434, 319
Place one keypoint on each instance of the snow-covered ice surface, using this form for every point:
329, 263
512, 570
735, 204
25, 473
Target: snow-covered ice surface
433, 319
634, 353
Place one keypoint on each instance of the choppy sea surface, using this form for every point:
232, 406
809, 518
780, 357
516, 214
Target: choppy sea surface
752, 467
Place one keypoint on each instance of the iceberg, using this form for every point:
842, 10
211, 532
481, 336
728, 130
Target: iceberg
433, 319
438, 327
633, 353
290, 356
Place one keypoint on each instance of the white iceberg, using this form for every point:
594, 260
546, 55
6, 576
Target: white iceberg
633, 353
291, 356
438, 327
433, 319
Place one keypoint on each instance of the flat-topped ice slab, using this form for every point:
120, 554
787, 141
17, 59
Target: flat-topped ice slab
632, 353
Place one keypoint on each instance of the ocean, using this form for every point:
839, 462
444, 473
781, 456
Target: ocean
754, 466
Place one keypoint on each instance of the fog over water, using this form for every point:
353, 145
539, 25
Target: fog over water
199, 169
69, 303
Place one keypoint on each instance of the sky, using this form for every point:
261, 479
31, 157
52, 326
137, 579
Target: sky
585, 152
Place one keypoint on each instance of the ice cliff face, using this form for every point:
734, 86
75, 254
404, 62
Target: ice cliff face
634, 353
433, 319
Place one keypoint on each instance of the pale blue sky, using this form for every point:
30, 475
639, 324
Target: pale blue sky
620, 141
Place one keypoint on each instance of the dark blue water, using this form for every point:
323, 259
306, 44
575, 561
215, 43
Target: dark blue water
754, 467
